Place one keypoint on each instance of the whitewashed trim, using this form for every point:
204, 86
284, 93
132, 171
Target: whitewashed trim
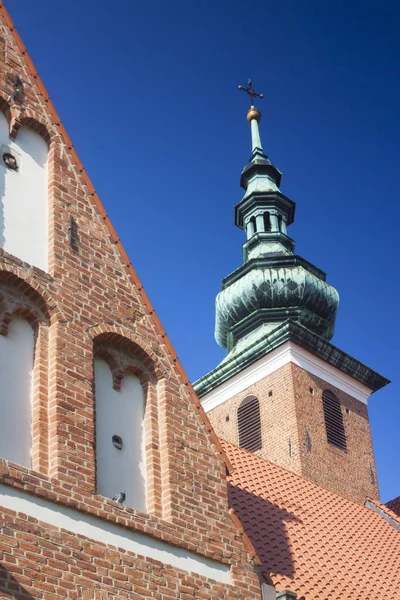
281, 356
108, 533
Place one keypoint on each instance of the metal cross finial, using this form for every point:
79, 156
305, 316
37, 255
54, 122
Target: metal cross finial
250, 92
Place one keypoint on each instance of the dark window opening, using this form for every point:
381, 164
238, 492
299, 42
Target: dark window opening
267, 221
249, 424
253, 221
335, 432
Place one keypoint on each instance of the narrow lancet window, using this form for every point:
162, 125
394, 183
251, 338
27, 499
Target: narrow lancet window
249, 424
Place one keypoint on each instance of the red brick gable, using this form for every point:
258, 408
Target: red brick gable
90, 296
311, 541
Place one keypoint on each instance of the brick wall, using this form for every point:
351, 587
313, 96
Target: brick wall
350, 473
279, 430
291, 410
91, 297
41, 561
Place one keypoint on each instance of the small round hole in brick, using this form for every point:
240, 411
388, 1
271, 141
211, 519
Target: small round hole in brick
347, 411
117, 442
227, 418
270, 393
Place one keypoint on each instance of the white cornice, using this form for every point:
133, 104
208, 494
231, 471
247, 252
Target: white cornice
284, 354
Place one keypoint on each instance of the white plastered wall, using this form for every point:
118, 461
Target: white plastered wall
24, 196
120, 412
16, 367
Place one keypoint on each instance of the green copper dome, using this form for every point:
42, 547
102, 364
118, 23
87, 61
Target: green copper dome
268, 291
273, 285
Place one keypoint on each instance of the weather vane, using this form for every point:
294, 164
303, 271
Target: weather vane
251, 92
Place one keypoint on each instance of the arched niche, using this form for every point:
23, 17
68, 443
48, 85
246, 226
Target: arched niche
24, 195
24, 327
120, 447
16, 370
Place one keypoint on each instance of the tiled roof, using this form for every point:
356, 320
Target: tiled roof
310, 540
394, 505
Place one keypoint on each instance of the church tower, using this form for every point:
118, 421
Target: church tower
283, 390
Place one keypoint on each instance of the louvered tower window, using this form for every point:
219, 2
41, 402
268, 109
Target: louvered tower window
334, 420
249, 424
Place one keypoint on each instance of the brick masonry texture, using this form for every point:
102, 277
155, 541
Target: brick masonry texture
90, 301
290, 408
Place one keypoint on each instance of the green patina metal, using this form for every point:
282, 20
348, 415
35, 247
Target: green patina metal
275, 296
263, 340
286, 595
273, 284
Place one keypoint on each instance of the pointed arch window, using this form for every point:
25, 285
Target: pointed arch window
249, 424
335, 432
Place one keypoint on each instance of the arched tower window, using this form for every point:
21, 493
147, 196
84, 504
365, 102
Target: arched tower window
120, 448
16, 370
249, 424
24, 195
254, 223
335, 432
280, 223
267, 221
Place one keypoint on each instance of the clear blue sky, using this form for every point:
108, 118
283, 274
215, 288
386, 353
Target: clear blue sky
148, 93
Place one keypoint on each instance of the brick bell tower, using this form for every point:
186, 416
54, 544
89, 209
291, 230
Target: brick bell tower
283, 390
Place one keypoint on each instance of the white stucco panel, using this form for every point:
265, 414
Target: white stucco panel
120, 412
16, 365
24, 197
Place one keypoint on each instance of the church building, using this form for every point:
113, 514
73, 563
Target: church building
118, 478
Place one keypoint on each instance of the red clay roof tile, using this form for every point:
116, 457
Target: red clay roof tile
310, 540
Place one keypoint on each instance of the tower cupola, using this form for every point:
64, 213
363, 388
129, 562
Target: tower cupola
283, 390
273, 285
